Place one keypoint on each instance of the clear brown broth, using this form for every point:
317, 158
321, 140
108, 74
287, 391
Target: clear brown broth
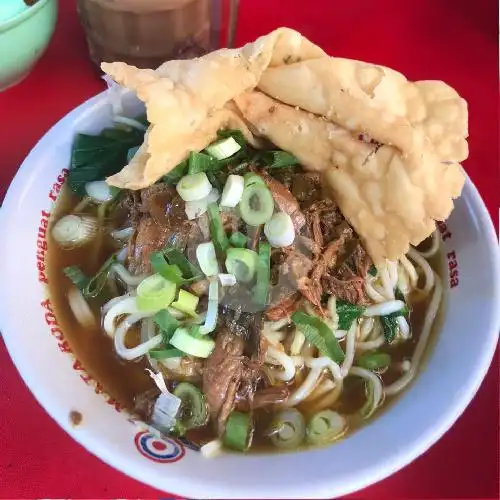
124, 380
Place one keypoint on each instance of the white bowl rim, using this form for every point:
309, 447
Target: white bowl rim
390, 463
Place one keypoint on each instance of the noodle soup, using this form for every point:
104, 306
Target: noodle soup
262, 325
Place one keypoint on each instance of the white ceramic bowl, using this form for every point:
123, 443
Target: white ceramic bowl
441, 392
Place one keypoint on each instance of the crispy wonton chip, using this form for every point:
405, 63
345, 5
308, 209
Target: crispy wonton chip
322, 109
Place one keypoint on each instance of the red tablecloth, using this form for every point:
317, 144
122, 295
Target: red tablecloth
453, 40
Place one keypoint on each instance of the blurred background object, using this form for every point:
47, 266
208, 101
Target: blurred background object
146, 33
25, 31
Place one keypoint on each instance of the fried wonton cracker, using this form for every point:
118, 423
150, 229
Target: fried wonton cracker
322, 109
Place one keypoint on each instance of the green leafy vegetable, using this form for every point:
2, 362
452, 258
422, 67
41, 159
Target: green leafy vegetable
372, 271
390, 327
347, 313
167, 324
278, 159
77, 277
170, 272
237, 135
176, 258
201, 162
319, 334
238, 240
95, 157
398, 294
176, 174
217, 233
96, 284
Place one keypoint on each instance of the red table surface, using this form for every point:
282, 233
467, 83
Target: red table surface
452, 40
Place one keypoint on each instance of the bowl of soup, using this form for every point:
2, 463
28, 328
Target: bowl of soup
230, 315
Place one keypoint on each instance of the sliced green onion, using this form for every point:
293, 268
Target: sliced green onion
319, 334
100, 191
194, 187
155, 293
256, 205
325, 426
242, 263
227, 279
165, 353
262, 285
167, 324
177, 258
207, 258
288, 429
238, 240
187, 303
233, 191
199, 162
373, 270
239, 431
176, 174
200, 347
97, 283
74, 230
279, 159
252, 178
171, 272
217, 233
193, 412
374, 360
212, 308
280, 231
223, 149
76, 276
195, 209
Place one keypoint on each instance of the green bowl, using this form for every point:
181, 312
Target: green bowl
23, 40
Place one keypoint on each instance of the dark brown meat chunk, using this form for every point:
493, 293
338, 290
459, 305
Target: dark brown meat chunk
351, 290
306, 187
222, 376
285, 308
148, 238
158, 217
264, 398
285, 200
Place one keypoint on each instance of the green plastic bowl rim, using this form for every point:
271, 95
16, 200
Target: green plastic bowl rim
25, 14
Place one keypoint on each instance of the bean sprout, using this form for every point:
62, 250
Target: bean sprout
403, 280
384, 308
349, 349
127, 305
386, 283
372, 292
134, 352
371, 344
378, 392
276, 325
274, 354
404, 328
367, 325
430, 316
80, 308
297, 343
428, 272
126, 276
